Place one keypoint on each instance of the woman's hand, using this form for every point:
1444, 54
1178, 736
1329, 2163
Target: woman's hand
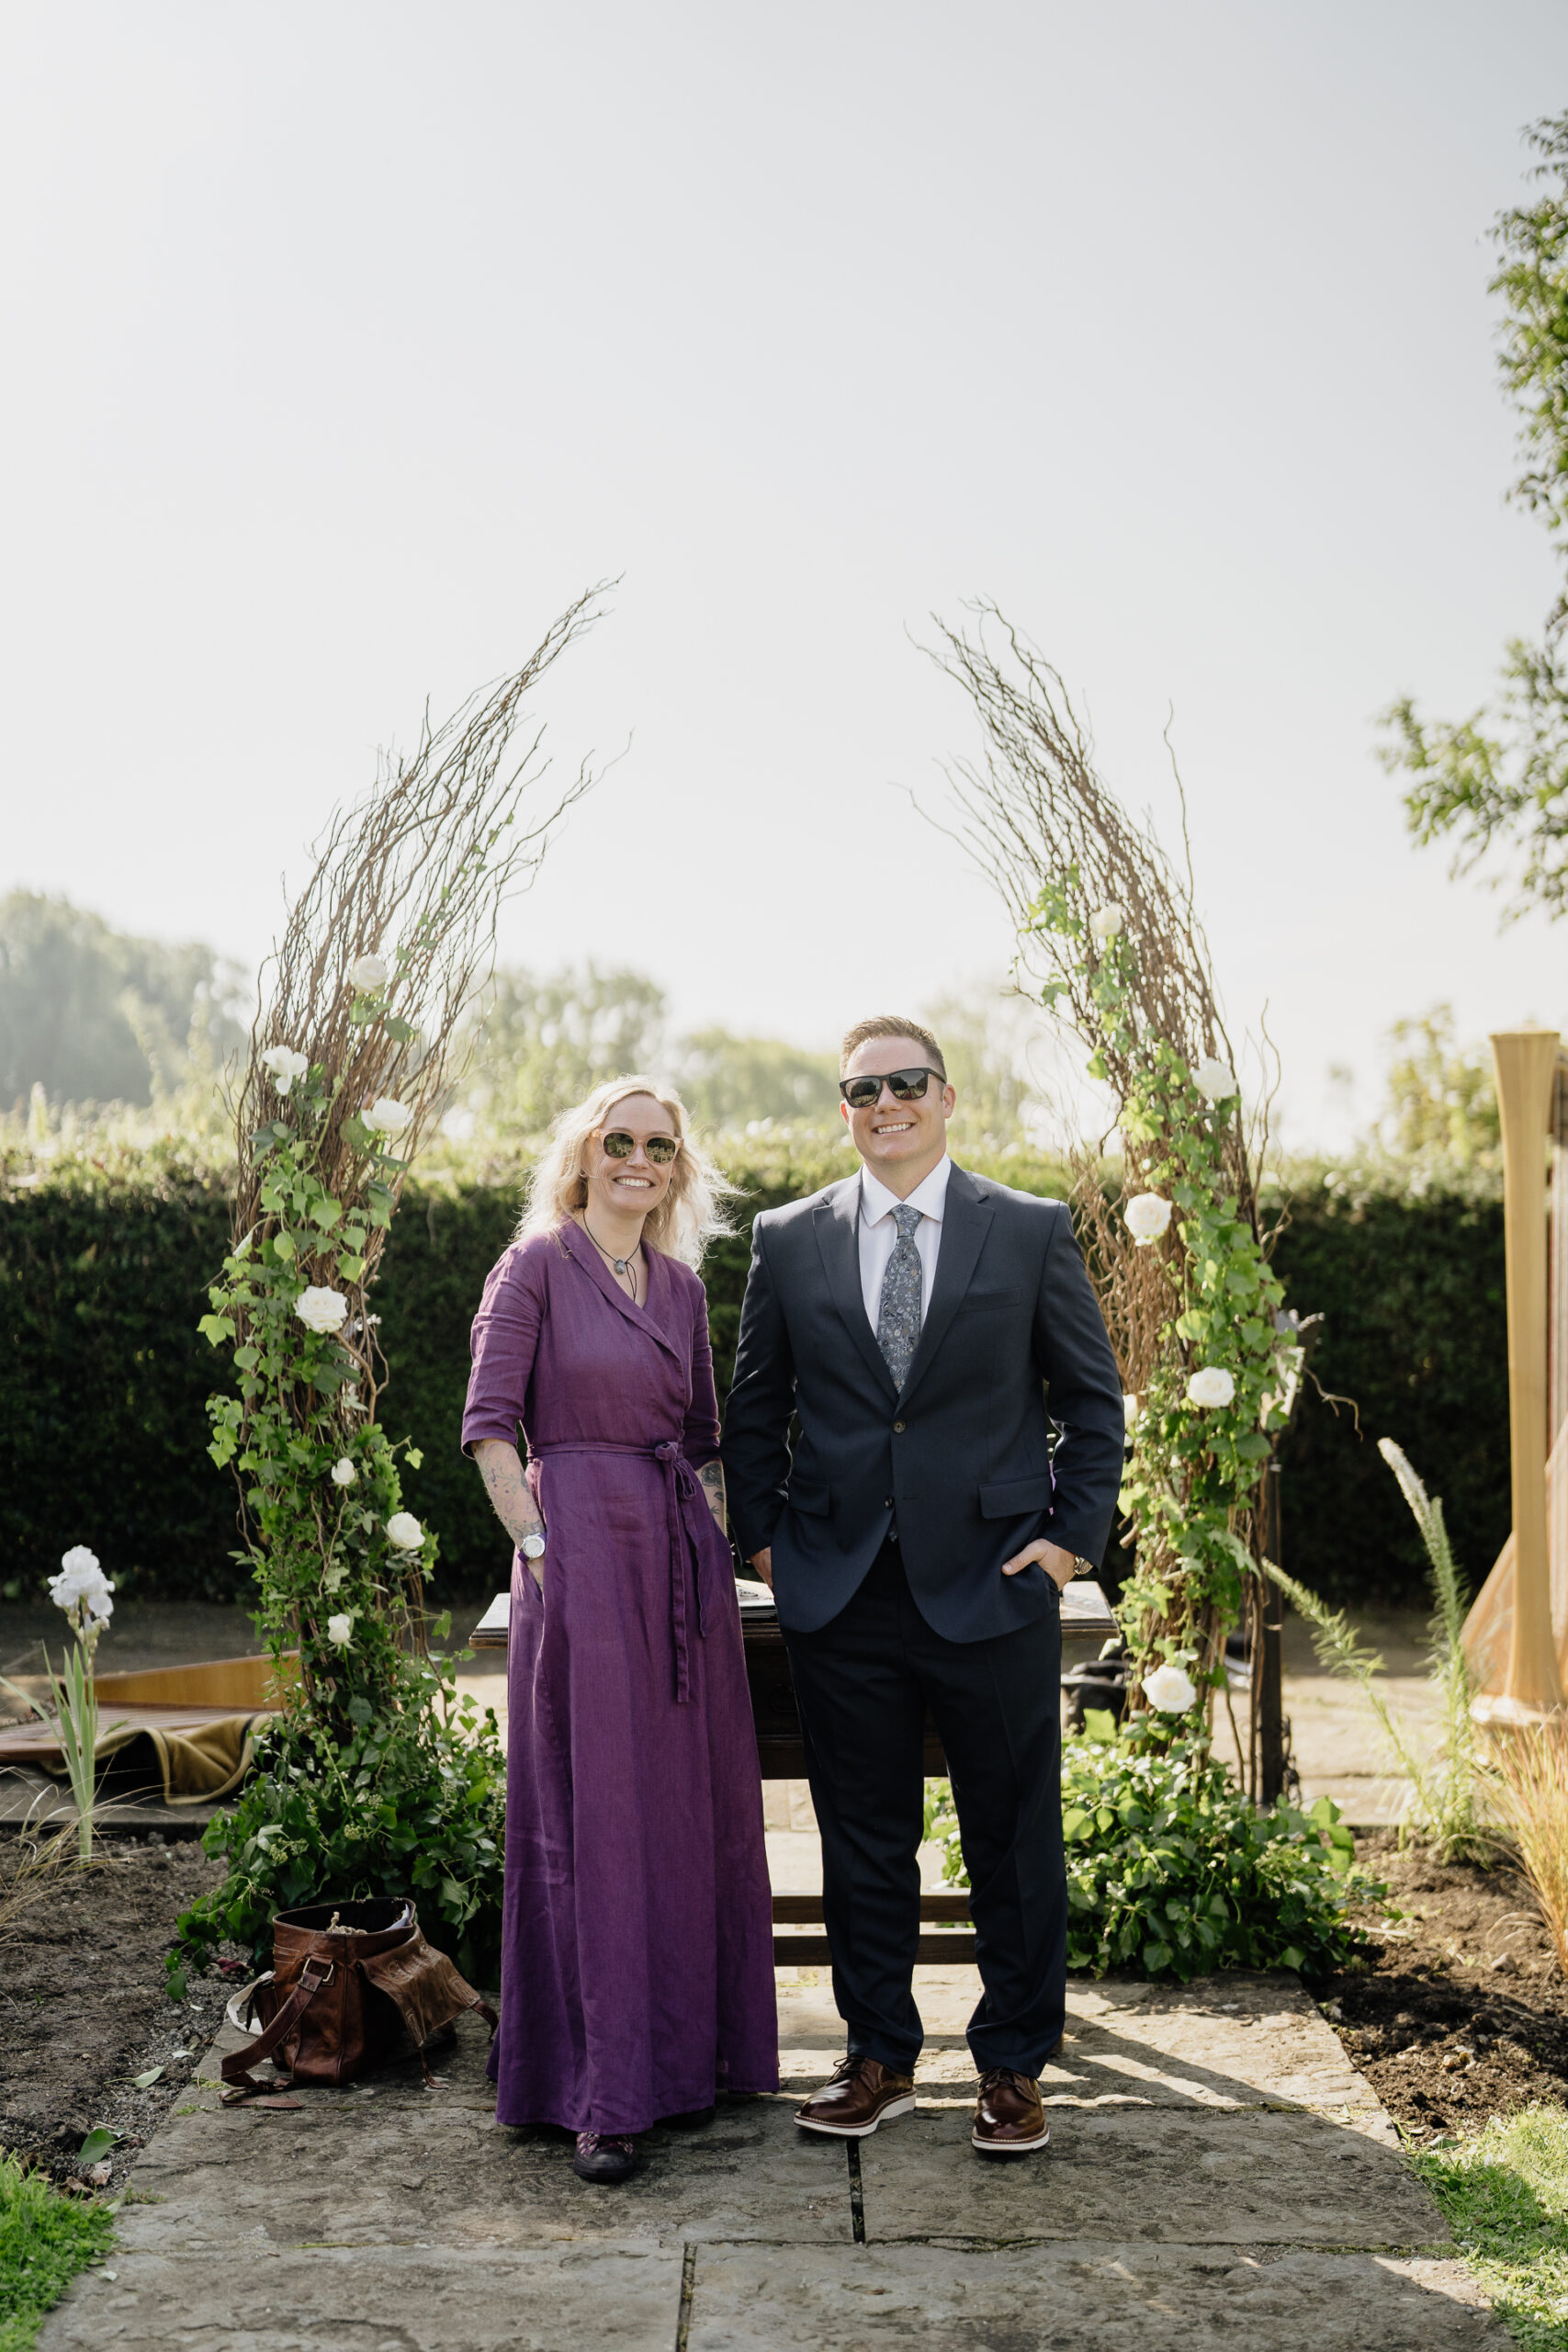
509, 1492
1059, 1565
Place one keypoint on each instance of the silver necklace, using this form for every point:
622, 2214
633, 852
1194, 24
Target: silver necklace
623, 1266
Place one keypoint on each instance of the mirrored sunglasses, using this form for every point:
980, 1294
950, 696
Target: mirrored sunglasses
661, 1149
907, 1086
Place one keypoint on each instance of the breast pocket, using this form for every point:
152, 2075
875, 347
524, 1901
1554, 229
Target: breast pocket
988, 1302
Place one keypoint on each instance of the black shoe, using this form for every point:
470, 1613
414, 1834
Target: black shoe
603, 2156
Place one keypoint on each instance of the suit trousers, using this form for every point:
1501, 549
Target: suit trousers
862, 1683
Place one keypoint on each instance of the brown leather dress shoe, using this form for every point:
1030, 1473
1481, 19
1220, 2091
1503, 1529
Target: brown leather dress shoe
1009, 2118
858, 2095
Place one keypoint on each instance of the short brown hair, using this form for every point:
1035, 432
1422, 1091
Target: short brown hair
890, 1024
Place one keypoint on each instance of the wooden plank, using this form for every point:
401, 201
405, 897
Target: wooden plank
955, 1949
231, 1685
790, 1908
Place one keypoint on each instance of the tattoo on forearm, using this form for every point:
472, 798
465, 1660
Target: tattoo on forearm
711, 1479
508, 1489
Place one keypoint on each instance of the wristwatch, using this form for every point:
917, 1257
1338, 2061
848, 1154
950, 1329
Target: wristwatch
532, 1547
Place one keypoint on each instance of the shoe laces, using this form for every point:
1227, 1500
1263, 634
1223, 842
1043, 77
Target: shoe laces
994, 2075
848, 2068
590, 2143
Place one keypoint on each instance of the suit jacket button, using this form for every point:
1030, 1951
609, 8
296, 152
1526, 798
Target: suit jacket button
898, 1429
886, 1502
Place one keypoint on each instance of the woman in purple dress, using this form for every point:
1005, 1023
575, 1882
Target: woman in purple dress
637, 1943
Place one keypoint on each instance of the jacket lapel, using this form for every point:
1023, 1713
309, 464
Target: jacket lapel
598, 1274
965, 1221
837, 1219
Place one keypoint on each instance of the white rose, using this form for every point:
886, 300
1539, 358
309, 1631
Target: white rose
1170, 1689
387, 1117
1129, 1409
1148, 1215
82, 1579
343, 1473
321, 1309
1210, 1386
1108, 921
404, 1530
369, 973
341, 1630
1216, 1079
285, 1064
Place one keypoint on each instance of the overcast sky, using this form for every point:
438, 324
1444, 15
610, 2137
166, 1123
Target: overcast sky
347, 343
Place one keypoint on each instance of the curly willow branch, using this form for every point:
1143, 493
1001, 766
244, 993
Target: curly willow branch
1048, 833
416, 874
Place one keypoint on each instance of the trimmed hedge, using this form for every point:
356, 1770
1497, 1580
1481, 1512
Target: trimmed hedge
104, 1377
1417, 1334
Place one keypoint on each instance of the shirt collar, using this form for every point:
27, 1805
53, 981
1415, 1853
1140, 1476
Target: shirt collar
929, 1196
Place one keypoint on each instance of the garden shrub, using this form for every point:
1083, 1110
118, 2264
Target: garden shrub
402, 1807
1172, 1873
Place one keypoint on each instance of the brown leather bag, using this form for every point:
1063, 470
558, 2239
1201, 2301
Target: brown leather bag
348, 1980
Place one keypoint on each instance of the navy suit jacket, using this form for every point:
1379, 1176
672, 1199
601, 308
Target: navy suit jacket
959, 1457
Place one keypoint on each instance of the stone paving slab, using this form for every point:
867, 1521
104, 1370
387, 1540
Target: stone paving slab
1233, 2041
1105, 2298
1185, 2178
1216, 2166
401, 2165
558, 2299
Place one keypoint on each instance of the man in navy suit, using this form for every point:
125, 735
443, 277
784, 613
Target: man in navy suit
958, 1454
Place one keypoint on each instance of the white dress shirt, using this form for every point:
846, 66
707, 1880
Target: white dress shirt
878, 1232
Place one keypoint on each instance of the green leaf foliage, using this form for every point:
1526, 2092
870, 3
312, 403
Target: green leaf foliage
1172, 1873
1497, 778
411, 1804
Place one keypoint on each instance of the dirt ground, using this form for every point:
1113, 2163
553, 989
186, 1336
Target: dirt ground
1460, 2011
85, 2005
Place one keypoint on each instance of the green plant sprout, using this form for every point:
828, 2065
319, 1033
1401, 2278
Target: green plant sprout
86, 1594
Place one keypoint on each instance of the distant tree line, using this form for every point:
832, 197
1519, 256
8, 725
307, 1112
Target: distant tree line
93, 1015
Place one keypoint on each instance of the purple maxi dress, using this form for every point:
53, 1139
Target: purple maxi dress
637, 1968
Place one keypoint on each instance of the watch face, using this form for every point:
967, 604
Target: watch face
533, 1547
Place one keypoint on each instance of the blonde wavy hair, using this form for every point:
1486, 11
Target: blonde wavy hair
689, 1215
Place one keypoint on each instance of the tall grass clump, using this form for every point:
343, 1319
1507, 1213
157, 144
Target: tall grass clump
1444, 1799
1532, 1765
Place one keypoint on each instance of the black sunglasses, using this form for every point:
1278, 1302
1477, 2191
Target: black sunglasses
661, 1149
907, 1086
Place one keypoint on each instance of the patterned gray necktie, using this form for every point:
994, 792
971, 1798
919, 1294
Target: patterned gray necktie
898, 1311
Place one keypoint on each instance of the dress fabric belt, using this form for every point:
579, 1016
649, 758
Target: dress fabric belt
681, 1487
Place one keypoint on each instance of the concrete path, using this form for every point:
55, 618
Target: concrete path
1218, 2173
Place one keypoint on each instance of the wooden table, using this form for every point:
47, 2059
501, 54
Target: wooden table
1087, 1623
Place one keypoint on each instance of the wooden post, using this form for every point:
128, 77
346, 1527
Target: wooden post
1526, 1063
